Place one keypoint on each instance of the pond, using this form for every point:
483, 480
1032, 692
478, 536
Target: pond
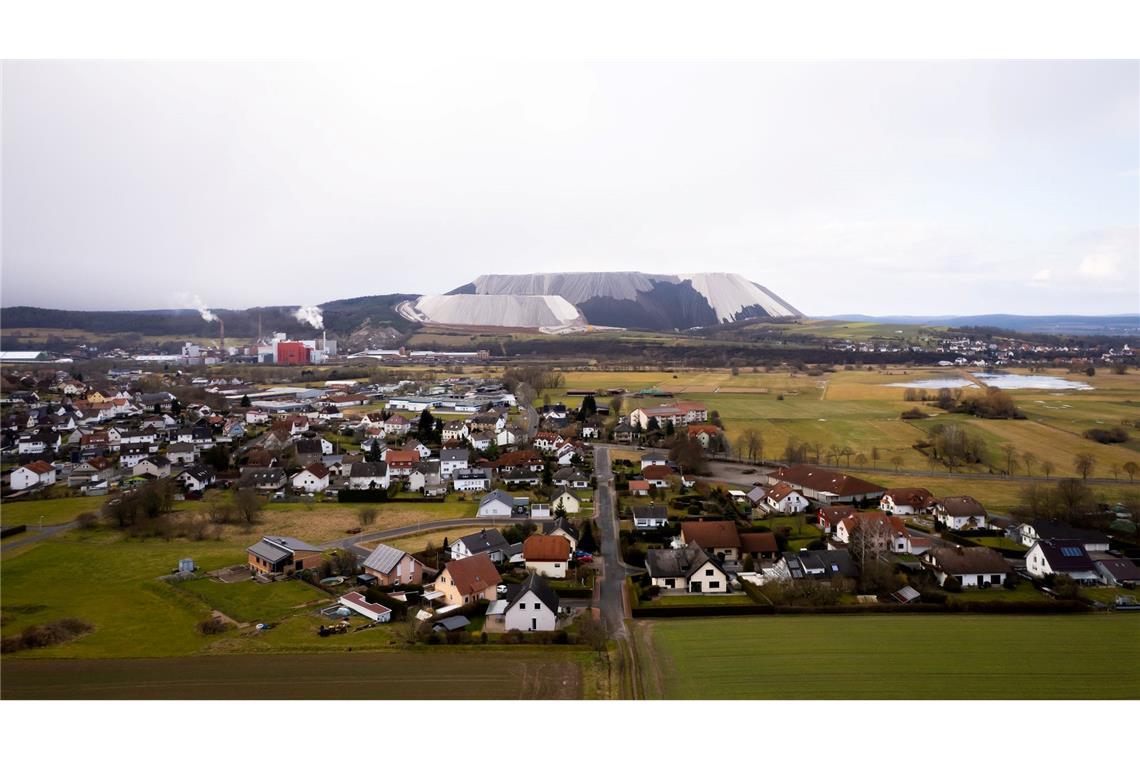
950, 381
1032, 382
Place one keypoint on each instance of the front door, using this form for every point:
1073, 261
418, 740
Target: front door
534, 624
695, 587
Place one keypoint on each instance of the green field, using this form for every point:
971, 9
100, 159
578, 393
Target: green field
431, 674
892, 657
248, 602
53, 511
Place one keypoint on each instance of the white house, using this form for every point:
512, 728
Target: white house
547, 555
475, 479
365, 475
532, 607
689, 569
377, 613
567, 500
32, 474
486, 541
452, 460
312, 479
456, 430
496, 504
960, 513
976, 566
1061, 557
196, 477
650, 517
906, 501
785, 499
1031, 533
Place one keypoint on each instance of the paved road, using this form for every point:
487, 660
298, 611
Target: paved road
34, 535
614, 571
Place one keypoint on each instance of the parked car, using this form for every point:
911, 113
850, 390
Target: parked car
582, 556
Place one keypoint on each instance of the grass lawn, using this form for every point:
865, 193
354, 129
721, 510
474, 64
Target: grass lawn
893, 657
54, 511
250, 602
699, 600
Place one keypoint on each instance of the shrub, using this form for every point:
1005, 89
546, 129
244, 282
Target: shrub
87, 520
49, 634
914, 413
1107, 435
952, 584
213, 625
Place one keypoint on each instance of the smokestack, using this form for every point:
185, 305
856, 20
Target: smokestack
324, 338
222, 334
259, 327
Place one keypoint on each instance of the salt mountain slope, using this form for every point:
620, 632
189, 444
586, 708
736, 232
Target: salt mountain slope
541, 311
649, 301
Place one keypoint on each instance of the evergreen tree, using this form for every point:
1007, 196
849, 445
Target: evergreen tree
245, 402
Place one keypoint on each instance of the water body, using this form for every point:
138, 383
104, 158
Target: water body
937, 382
1032, 382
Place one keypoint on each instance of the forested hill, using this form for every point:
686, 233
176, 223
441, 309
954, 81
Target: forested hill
342, 316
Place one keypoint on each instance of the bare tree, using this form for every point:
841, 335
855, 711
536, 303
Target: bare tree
875, 455
248, 504
1114, 468
1047, 467
1131, 468
1084, 464
366, 515
1010, 454
897, 461
1030, 459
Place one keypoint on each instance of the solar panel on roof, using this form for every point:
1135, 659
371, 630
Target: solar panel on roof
1070, 551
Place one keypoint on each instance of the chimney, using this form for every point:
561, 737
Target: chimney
222, 335
324, 338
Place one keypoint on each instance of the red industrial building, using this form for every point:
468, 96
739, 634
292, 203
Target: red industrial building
292, 352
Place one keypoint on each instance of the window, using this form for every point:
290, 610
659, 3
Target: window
714, 584
709, 571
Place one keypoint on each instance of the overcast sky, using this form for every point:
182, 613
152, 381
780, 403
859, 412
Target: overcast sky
881, 188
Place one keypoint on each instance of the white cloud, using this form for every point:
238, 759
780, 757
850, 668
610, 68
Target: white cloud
1042, 277
1100, 265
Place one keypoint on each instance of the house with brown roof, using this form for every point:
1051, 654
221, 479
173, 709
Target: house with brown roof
826, 486
760, 546
960, 513
282, 554
657, 475
829, 518
639, 487
880, 531
547, 555
786, 499
906, 501
312, 479
468, 580
718, 537
37, 473
973, 566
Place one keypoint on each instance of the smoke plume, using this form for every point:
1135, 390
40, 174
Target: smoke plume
310, 315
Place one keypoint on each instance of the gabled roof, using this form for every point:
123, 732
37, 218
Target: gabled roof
497, 495
639, 485
40, 467
711, 534
916, 498
564, 525
317, 469
962, 506
970, 560
1065, 555
824, 480
1057, 529
473, 574
677, 563
454, 455
539, 587
538, 548
650, 512
657, 472
1120, 569
758, 543
383, 558
368, 470
486, 540
781, 491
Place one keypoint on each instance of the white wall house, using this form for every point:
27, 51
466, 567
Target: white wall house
312, 479
32, 474
534, 607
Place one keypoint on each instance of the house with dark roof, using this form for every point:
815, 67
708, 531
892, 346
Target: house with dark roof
689, 568
566, 500
718, 537
960, 513
365, 475
650, 517
1031, 532
816, 564
1116, 571
262, 478
531, 606
282, 554
563, 527
1058, 556
972, 566
452, 460
391, 566
487, 541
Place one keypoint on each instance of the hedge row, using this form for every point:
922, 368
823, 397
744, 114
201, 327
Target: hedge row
706, 610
